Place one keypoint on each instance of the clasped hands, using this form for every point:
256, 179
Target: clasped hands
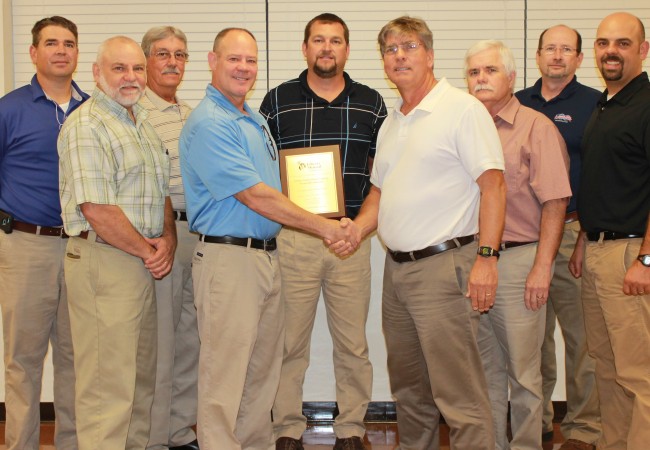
161, 261
343, 237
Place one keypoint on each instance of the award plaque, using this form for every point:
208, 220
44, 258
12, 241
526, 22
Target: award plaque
312, 179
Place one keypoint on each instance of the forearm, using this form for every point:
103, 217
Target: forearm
551, 229
112, 225
645, 245
367, 217
271, 204
169, 226
492, 210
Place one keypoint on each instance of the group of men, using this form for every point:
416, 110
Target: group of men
153, 229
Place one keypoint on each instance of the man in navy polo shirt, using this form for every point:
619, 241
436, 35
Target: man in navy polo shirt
34, 305
569, 104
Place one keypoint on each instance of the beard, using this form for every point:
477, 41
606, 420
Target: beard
614, 74
126, 101
325, 72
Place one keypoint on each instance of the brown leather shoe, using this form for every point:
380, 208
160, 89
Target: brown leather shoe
574, 444
352, 443
287, 443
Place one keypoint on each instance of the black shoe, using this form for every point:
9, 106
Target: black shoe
547, 436
287, 443
194, 445
352, 443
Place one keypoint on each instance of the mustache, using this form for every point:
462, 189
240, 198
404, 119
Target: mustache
127, 85
483, 87
171, 69
611, 58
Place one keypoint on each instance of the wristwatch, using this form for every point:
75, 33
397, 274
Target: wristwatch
645, 260
487, 252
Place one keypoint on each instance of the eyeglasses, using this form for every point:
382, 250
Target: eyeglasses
270, 144
408, 47
564, 49
164, 55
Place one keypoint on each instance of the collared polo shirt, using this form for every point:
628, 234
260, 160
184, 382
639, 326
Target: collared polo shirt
615, 181
29, 163
223, 152
168, 120
297, 117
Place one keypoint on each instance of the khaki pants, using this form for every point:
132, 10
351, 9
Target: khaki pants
582, 419
307, 265
113, 321
433, 359
175, 399
510, 341
35, 313
241, 325
618, 337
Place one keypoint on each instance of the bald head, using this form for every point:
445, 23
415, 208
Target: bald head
120, 70
620, 49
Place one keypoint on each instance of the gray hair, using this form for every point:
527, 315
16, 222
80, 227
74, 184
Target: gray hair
506, 54
157, 33
406, 25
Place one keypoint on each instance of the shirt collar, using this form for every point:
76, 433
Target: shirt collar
428, 103
37, 91
509, 112
567, 92
160, 103
139, 112
216, 96
345, 93
628, 92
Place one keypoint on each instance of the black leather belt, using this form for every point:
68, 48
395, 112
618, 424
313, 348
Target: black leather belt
401, 257
180, 215
259, 244
511, 244
37, 229
610, 235
86, 235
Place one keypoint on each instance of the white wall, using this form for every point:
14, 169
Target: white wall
456, 25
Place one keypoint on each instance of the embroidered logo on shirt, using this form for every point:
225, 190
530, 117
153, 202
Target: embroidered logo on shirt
564, 118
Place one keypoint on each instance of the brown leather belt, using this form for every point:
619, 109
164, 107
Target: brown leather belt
610, 235
571, 217
259, 244
402, 257
511, 244
86, 235
37, 229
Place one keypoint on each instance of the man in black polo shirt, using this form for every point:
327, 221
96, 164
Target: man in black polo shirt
569, 104
323, 106
613, 207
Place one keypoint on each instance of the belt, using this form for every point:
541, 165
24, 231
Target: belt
401, 257
511, 244
37, 229
610, 235
259, 244
571, 217
86, 235
180, 215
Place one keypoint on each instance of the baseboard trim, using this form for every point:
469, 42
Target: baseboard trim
316, 412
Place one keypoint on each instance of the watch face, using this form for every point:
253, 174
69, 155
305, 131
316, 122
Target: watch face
485, 251
645, 260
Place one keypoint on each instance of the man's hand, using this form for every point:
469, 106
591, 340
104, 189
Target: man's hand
482, 284
637, 280
578, 256
537, 284
345, 237
161, 262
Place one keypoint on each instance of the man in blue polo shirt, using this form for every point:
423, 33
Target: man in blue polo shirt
34, 305
229, 165
569, 104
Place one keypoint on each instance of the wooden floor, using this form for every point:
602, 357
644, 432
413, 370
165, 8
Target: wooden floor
379, 436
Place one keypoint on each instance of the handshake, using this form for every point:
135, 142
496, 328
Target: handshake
342, 237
